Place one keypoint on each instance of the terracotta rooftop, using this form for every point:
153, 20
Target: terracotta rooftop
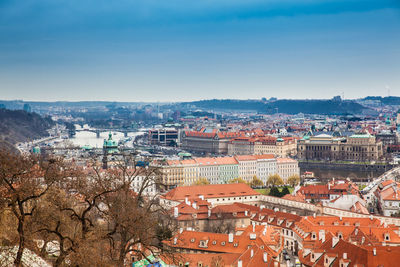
210, 191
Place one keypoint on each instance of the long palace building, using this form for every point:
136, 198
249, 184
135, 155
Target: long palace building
357, 147
220, 170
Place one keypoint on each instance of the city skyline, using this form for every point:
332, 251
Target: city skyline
133, 51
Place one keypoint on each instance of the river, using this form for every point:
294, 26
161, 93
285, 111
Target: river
83, 138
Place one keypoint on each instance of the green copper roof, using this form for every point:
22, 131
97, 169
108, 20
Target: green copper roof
87, 147
183, 154
110, 143
360, 135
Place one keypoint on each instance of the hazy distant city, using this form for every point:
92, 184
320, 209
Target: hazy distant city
200, 133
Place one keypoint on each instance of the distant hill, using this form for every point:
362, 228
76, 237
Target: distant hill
21, 126
388, 100
284, 106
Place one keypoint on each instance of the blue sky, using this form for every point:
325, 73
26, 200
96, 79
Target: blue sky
178, 50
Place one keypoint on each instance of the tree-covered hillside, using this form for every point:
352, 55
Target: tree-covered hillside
284, 106
20, 126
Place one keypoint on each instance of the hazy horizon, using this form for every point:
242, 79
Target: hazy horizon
177, 51
126, 101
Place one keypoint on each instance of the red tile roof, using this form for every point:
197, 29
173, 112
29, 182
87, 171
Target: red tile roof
210, 191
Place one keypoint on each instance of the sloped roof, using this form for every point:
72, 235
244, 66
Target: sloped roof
210, 191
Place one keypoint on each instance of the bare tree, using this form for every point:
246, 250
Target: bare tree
24, 180
136, 223
274, 180
224, 224
110, 215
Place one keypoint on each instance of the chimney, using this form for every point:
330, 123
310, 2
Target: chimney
209, 213
335, 240
340, 218
314, 215
180, 230
175, 240
251, 253
230, 238
345, 256
245, 213
322, 235
201, 197
374, 251
262, 207
254, 227
265, 257
194, 205
362, 240
240, 263
186, 201
176, 212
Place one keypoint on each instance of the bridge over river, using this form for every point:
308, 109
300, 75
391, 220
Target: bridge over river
98, 131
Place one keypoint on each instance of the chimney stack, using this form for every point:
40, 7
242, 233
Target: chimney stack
176, 212
239, 263
322, 235
265, 257
230, 238
335, 240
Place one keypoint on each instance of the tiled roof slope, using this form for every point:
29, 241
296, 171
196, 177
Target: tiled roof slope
210, 191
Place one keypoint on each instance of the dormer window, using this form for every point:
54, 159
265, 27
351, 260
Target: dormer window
203, 243
223, 243
313, 236
214, 242
340, 235
234, 214
387, 237
192, 240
